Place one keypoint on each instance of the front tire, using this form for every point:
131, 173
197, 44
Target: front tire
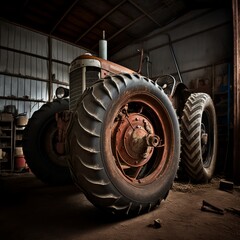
124, 144
39, 145
199, 137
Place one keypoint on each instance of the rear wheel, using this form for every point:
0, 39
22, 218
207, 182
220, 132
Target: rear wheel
124, 144
39, 145
199, 137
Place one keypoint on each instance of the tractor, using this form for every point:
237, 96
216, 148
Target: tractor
121, 137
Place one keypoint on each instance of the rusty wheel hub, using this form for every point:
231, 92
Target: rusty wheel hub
136, 140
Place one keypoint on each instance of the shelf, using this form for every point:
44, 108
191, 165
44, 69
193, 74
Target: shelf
22, 99
19, 128
3, 137
6, 142
5, 120
5, 147
10, 141
3, 160
220, 93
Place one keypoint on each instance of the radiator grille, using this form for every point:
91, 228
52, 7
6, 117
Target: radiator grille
76, 83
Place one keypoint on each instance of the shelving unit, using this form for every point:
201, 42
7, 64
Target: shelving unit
221, 106
18, 133
10, 143
223, 101
6, 143
19, 161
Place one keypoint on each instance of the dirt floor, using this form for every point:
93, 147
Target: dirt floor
31, 210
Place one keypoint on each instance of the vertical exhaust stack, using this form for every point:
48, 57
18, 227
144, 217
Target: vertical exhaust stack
103, 47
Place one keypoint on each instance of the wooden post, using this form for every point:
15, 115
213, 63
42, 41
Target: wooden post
50, 84
236, 90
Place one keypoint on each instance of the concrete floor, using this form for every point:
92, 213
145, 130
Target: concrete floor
31, 210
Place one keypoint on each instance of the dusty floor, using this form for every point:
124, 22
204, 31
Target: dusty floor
30, 210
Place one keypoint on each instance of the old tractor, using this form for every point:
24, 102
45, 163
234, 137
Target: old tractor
120, 136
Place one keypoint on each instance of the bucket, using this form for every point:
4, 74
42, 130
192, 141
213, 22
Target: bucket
18, 151
10, 109
21, 120
20, 163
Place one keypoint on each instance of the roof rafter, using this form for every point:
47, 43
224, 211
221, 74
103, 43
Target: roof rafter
144, 12
100, 20
63, 16
128, 25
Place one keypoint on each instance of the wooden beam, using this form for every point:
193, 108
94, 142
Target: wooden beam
236, 90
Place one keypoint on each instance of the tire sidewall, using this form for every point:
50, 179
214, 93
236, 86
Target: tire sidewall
162, 184
209, 108
34, 150
199, 109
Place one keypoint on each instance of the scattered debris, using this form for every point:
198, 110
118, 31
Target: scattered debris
157, 223
188, 187
226, 185
207, 207
183, 187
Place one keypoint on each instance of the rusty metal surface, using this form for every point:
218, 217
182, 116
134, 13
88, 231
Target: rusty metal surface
135, 141
62, 120
132, 140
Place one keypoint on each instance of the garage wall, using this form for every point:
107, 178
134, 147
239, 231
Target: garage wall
32, 66
202, 43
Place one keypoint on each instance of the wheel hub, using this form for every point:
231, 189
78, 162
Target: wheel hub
135, 140
204, 138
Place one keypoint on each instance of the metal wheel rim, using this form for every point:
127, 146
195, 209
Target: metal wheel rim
155, 113
206, 148
49, 141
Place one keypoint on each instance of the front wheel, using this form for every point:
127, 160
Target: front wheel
199, 137
124, 144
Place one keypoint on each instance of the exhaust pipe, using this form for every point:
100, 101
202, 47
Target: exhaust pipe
103, 47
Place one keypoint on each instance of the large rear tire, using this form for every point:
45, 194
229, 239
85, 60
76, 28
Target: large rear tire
39, 145
124, 144
199, 137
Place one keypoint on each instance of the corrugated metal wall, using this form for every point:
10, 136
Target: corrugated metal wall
25, 77
203, 45
200, 39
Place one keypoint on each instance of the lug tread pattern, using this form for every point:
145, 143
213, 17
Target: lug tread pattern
88, 172
42, 167
191, 136
92, 174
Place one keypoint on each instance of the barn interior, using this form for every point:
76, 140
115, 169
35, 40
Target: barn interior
195, 43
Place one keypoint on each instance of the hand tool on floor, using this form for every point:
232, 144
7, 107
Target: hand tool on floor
207, 207
235, 211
